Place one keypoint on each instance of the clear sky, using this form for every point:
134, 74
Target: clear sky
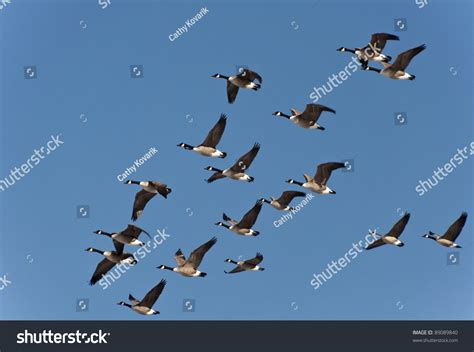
84, 91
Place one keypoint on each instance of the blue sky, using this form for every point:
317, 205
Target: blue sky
87, 71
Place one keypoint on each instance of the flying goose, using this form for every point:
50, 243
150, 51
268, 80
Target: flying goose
244, 226
244, 79
451, 234
283, 203
189, 267
397, 69
145, 305
110, 259
373, 50
307, 118
236, 171
318, 183
128, 236
246, 265
392, 237
149, 190
208, 147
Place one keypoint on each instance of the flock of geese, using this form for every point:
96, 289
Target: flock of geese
308, 119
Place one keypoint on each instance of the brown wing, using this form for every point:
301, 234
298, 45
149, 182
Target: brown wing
118, 247
196, 256
378, 40
402, 60
245, 160
456, 228
102, 268
232, 91
237, 269
228, 219
141, 199
313, 111
255, 261
287, 196
250, 217
323, 172
215, 134
161, 188
179, 257
398, 228
375, 244
251, 75
215, 176
151, 297
134, 231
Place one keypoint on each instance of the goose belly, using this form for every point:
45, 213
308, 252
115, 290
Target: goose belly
206, 151
391, 240
445, 242
143, 310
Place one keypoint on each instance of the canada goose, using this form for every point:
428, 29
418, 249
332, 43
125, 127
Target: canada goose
237, 171
283, 203
246, 265
307, 118
373, 50
397, 69
451, 234
111, 258
150, 189
392, 236
244, 226
244, 79
128, 236
145, 305
208, 147
318, 183
189, 268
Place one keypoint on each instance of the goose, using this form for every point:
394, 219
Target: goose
128, 236
451, 234
149, 190
283, 203
245, 79
308, 118
145, 305
244, 226
373, 50
392, 237
208, 147
397, 69
318, 183
246, 265
189, 267
110, 259
236, 171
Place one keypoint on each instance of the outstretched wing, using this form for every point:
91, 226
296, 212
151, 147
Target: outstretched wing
375, 244
378, 40
102, 268
313, 111
151, 297
323, 172
141, 199
287, 196
255, 261
456, 228
134, 231
250, 217
133, 300
398, 228
237, 269
251, 75
179, 257
403, 59
215, 176
196, 256
245, 160
118, 247
229, 219
232, 91
215, 134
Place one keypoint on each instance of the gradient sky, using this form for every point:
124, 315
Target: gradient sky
87, 71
